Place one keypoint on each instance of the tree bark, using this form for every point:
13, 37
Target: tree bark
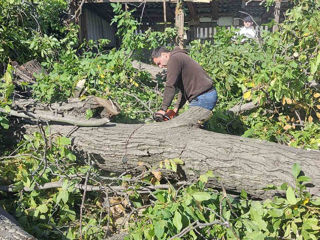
9, 228
240, 163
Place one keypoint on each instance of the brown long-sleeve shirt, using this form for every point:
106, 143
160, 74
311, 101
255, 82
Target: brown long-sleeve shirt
186, 75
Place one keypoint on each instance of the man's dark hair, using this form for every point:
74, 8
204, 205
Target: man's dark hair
157, 52
248, 19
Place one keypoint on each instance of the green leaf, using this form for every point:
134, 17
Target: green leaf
43, 208
304, 179
7, 109
160, 197
256, 235
296, 169
63, 195
64, 141
291, 197
173, 166
177, 221
159, 228
243, 194
71, 156
294, 228
89, 114
204, 177
178, 161
276, 212
316, 202
167, 164
201, 196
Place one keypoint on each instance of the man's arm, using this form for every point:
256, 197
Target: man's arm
173, 72
168, 95
180, 101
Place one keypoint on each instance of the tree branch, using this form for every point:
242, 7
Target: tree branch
44, 117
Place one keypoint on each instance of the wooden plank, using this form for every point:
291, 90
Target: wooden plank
193, 13
214, 10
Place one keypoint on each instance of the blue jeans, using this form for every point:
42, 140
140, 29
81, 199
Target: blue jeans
206, 100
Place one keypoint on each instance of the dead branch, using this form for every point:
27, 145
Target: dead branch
50, 118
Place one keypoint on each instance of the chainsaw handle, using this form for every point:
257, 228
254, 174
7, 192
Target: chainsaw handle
158, 117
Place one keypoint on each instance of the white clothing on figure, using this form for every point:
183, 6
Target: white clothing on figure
248, 32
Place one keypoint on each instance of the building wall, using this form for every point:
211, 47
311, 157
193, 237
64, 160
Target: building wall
95, 28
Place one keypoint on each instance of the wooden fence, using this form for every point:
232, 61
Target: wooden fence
202, 33
205, 33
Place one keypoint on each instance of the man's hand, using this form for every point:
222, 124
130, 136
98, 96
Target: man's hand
161, 112
159, 116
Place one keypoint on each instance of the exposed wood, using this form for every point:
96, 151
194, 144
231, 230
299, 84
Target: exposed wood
165, 13
277, 9
25, 72
72, 112
154, 70
179, 23
240, 163
243, 107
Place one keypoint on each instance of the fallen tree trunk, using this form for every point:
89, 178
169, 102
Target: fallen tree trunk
240, 163
9, 228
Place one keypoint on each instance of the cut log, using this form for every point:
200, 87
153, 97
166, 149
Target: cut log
25, 72
155, 71
74, 110
240, 163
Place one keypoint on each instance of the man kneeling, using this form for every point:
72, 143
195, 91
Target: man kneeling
186, 75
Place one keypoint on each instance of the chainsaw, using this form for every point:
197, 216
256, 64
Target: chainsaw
158, 117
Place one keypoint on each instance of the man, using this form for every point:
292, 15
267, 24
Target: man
247, 30
188, 77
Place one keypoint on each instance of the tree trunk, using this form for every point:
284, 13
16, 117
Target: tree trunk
240, 163
9, 228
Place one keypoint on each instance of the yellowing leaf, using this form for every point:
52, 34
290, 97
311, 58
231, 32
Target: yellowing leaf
318, 106
286, 100
247, 95
157, 175
316, 95
310, 119
251, 84
318, 115
305, 201
287, 127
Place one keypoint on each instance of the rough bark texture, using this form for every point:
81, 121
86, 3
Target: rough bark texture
25, 72
240, 163
154, 70
9, 229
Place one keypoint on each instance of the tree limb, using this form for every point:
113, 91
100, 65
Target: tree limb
44, 117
